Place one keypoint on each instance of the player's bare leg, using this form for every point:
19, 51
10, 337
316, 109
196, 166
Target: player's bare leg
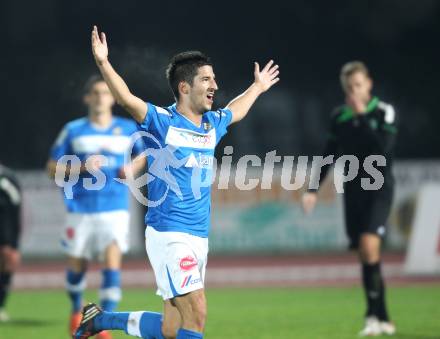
172, 320
369, 249
113, 257
9, 261
377, 320
192, 307
183, 318
75, 284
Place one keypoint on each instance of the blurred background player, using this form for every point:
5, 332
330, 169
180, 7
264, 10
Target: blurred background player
364, 126
97, 220
10, 222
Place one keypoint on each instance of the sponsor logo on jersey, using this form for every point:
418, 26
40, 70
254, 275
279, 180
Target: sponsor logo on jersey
95, 144
181, 137
203, 161
207, 126
187, 263
192, 161
202, 139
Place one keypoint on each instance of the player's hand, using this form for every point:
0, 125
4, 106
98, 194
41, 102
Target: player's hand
267, 77
99, 46
308, 202
357, 104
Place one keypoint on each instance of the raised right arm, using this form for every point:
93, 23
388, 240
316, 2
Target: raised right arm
131, 103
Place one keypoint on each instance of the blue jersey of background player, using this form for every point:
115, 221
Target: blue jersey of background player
182, 139
87, 139
97, 221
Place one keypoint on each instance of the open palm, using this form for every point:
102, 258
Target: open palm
99, 46
267, 77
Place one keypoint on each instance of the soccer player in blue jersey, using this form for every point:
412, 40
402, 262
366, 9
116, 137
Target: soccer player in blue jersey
97, 220
177, 229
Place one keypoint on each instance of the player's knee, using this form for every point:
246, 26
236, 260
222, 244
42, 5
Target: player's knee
77, 265
369, 253
13, 260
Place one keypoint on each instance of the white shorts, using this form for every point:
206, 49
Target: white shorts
178, 260
86, 235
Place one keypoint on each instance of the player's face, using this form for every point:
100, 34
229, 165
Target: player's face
359, 85
202, 91
99, 99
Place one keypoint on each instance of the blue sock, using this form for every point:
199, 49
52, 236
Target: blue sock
187, 334
150, 325
147, 325
111, 321
110, 293
75, 285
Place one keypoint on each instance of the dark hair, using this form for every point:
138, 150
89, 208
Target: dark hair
183, 67
91, 81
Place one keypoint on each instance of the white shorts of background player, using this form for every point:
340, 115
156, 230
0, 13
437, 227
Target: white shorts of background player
87, 235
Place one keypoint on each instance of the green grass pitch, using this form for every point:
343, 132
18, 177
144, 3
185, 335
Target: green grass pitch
303, 313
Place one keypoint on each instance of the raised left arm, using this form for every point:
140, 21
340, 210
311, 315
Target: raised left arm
264, 80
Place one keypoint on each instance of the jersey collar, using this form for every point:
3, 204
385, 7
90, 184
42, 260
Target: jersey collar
174, 109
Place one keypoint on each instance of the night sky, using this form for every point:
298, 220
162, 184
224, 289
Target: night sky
46, 58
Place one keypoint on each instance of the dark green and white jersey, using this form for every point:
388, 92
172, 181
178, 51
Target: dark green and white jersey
10, 207
10, 192
362, 135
